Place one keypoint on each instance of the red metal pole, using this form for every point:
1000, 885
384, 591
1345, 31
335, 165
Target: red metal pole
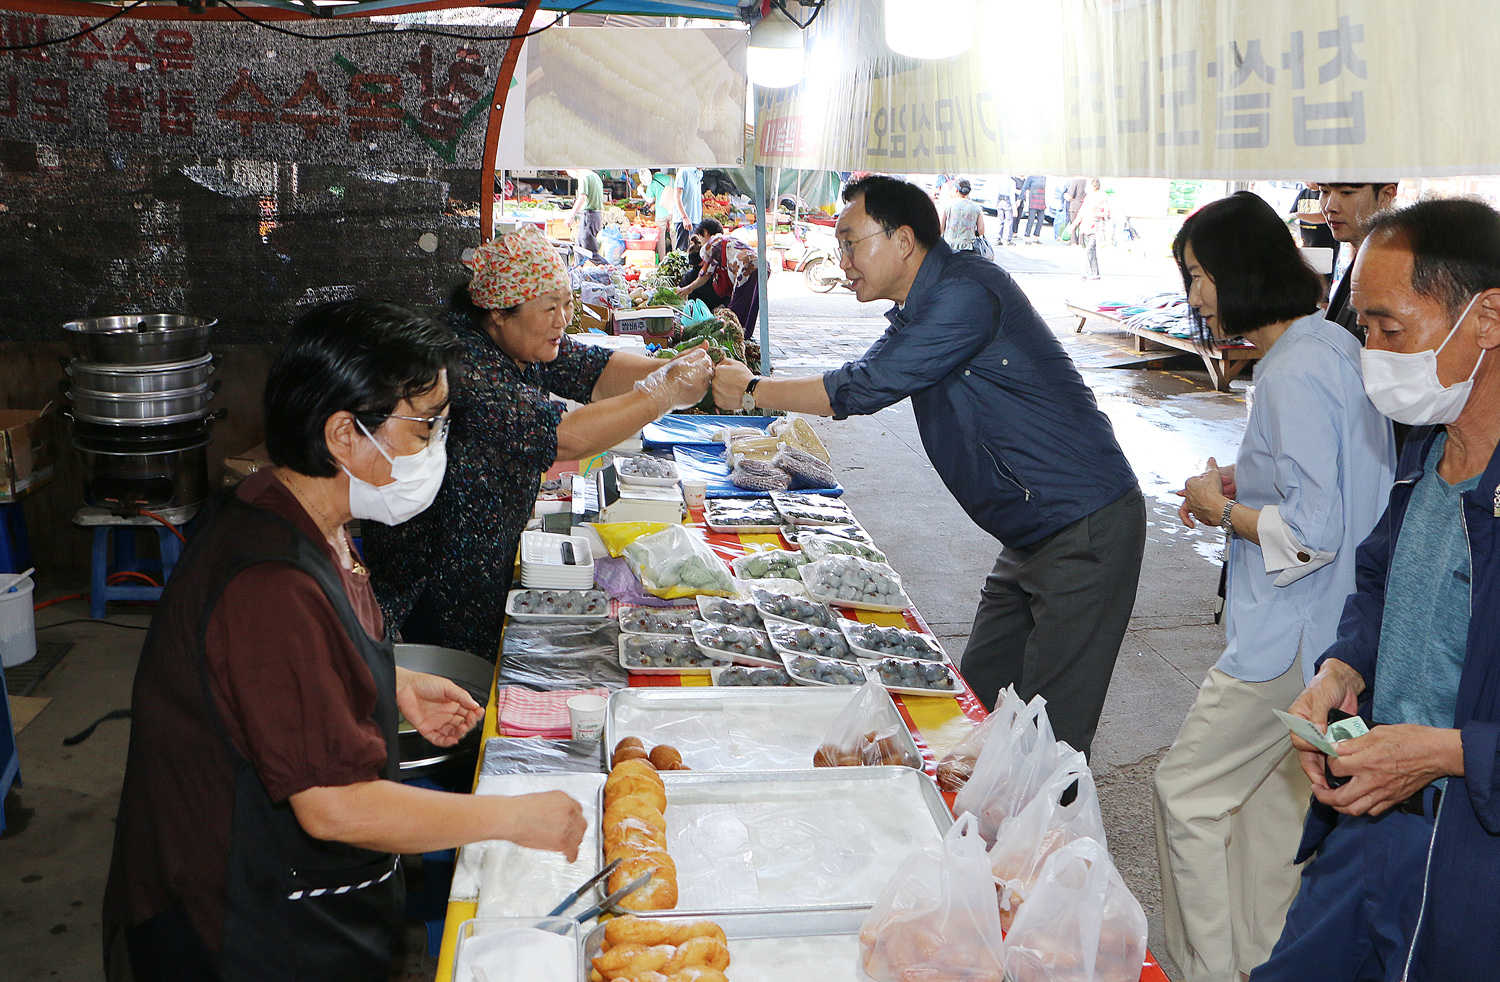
487, 169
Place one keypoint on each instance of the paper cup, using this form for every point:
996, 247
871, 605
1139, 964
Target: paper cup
694, 492
586, 715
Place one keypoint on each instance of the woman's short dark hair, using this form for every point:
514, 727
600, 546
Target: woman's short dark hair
1455, 247
893, 203
360, 356
709, 226
1259, 275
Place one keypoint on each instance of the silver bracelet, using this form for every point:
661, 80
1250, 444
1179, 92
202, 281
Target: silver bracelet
1225, 522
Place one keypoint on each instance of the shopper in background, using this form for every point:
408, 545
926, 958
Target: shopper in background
661, 190
1014, 433
442, 578
1091, 223
1347, 207
689, 184
962, 219
588, 210
1034, 191
1308, 485
1073, 196
1005, 210
1404, 881
1312, 226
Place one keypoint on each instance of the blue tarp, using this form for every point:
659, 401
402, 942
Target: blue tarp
672, 431
707, 464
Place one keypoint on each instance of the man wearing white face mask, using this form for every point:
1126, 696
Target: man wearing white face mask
262, 817
1405, 830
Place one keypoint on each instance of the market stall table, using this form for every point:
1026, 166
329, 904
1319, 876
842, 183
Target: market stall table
936, 722
1223, 361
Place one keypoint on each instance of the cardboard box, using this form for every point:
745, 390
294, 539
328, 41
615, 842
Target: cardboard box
242, 465
598, 317
26, 451
557, 228
654, 322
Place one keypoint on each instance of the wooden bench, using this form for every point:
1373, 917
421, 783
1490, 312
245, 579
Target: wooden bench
1224, 363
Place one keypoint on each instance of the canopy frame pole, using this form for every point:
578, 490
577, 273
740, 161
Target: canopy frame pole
498, 99
762, 271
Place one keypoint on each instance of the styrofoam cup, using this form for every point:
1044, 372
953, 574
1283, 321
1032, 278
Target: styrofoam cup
586, 716
17, 625
694, 493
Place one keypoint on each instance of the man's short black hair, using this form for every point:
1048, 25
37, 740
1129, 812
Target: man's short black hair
709, 226
363, 356
1455, 247
1259, 275
892, 203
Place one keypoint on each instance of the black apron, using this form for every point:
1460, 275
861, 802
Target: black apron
296, 907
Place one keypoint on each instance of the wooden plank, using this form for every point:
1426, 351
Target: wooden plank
1223, 364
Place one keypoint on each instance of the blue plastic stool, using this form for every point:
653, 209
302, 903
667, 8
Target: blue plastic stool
10, 759
101, 591
15, 548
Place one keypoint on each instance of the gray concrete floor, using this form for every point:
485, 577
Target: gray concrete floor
55, 855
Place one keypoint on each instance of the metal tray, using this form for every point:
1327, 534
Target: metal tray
836, 930
819, 859
737, 728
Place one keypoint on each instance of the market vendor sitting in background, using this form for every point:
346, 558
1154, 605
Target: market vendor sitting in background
1014, 433
723, 273
588, 210
442, 579
261, 818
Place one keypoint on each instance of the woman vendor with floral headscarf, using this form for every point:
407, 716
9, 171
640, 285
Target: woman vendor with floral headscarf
442, 578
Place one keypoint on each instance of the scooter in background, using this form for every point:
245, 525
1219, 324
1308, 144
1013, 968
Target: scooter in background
819, 262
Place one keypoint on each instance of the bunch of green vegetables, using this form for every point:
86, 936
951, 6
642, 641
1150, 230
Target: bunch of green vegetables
674, 266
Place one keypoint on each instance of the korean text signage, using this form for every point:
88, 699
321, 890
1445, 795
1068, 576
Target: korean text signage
217, 88
1277, 88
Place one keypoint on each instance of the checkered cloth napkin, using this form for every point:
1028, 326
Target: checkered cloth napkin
523, 712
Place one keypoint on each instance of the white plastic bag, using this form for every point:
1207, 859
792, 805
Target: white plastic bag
1011, 767
1042, 827
1080, 924
675, 563
936, 919
957, 765
867, 733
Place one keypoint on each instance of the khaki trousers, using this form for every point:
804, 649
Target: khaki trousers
1230, 800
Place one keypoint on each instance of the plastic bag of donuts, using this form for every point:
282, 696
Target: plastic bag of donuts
936, 918
956, 766
1016, 759
866, 733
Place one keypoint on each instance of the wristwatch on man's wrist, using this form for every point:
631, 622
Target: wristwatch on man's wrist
1225, 522
747, 401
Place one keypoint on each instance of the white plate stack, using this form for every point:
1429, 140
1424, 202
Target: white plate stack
556, 562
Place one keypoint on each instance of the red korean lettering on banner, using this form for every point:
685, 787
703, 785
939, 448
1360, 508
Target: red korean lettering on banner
50, 95
173, 51
375, 104
441, 112
245, 86
131, 52
175, 112
17, 31
310, 118
124, 108
87, 48
10, 98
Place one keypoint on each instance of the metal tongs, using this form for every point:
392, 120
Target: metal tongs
572, 898
614, 898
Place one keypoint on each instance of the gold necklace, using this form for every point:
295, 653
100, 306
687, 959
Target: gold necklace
351, 562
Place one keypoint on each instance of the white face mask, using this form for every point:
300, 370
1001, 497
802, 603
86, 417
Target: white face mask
1405, 385
415, 482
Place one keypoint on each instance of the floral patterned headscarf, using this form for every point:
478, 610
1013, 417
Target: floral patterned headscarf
514, 268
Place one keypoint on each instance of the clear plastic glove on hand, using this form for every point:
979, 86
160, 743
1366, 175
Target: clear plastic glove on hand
680, 383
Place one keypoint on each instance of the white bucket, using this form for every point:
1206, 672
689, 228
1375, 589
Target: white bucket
17, 625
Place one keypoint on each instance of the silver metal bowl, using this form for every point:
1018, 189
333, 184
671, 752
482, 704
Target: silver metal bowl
139, 339
419, 757
172, 405
99, 377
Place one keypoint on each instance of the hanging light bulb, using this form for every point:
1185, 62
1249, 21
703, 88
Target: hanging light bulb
774, 59
929, 28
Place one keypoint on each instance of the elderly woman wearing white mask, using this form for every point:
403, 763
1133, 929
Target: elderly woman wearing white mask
261, 817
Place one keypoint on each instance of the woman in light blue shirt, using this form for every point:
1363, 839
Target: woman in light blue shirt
1310, 481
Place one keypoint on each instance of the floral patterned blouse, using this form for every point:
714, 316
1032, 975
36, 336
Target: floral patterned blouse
442, 577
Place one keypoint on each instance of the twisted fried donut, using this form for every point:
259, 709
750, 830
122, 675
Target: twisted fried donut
632, 959
704, 951
634, 784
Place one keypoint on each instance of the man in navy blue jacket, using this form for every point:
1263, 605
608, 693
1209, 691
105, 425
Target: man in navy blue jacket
1014, 433
1405, 877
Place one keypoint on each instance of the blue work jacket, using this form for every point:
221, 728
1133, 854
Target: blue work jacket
1456, 936
1006, 419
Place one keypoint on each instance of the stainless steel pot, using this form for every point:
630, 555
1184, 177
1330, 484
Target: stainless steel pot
172, 375
173, 405
157, 480
139, 339
420, 758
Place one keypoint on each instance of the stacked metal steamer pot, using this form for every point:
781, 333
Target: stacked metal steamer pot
140, 390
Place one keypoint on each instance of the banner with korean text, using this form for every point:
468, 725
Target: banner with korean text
1232, 89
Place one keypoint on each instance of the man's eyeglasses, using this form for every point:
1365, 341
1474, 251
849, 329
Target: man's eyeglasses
846, 246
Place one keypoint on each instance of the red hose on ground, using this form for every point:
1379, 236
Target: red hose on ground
58, 600
128, 574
